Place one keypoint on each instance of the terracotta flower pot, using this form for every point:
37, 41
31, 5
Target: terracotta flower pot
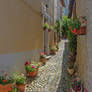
21, 87
44, 29
32, 74
82, 30
49, 30
57, 48
43, 60
53, 52
70, 71
5, 88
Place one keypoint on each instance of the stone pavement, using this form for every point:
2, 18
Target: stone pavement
49, 75
65, 81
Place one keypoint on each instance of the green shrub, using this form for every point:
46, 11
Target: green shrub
46, 26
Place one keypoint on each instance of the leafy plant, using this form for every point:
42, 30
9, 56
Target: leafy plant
42, 55
53, 48
31, 68
51, 28
20, 81
72, 38
19, 78
58, 28
66, 22
76, 24
71, 66
57, 45
46, 26
13, 89
76, 84
5, 79
72, 44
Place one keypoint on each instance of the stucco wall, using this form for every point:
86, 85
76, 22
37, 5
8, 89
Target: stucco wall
84, 50
20, 31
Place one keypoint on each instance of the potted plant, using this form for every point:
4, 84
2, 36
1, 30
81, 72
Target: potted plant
76, 85
13, 89
70, 68
20, 82
53, 50
31, 70
50, 28
42, 57
75, 26
45, 26
72, 56
27, 63
5, 82
83, 26
57, 46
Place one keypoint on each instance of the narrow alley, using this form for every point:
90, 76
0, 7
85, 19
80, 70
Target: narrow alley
46, 46
52, 73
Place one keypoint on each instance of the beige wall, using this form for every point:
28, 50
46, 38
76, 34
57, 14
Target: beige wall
52, 12
21, 35
20, 27
84, 50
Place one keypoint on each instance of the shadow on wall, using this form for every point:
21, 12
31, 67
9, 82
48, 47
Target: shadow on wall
14, 62
64, 84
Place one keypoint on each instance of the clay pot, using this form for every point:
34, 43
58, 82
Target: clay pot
82, 30
21, 87
70, 71
5, 88
43, 60
32, 74
44, 29
53, 52
57, 48
49, 30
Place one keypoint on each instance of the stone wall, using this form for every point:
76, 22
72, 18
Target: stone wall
84, 50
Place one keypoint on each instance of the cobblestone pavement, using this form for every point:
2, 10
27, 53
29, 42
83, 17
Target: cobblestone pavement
49, 75
65, 81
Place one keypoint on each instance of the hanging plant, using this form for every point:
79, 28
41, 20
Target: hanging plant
45, 26
75, 26
83, 26
78, 26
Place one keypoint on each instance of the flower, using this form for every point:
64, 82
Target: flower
75, 31
85, 90
27, 63
19, 91
10, 89
4, 80
6, 74
33, 66
83, 21
41, 53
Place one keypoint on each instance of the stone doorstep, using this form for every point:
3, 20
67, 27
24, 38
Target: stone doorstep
48, 57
